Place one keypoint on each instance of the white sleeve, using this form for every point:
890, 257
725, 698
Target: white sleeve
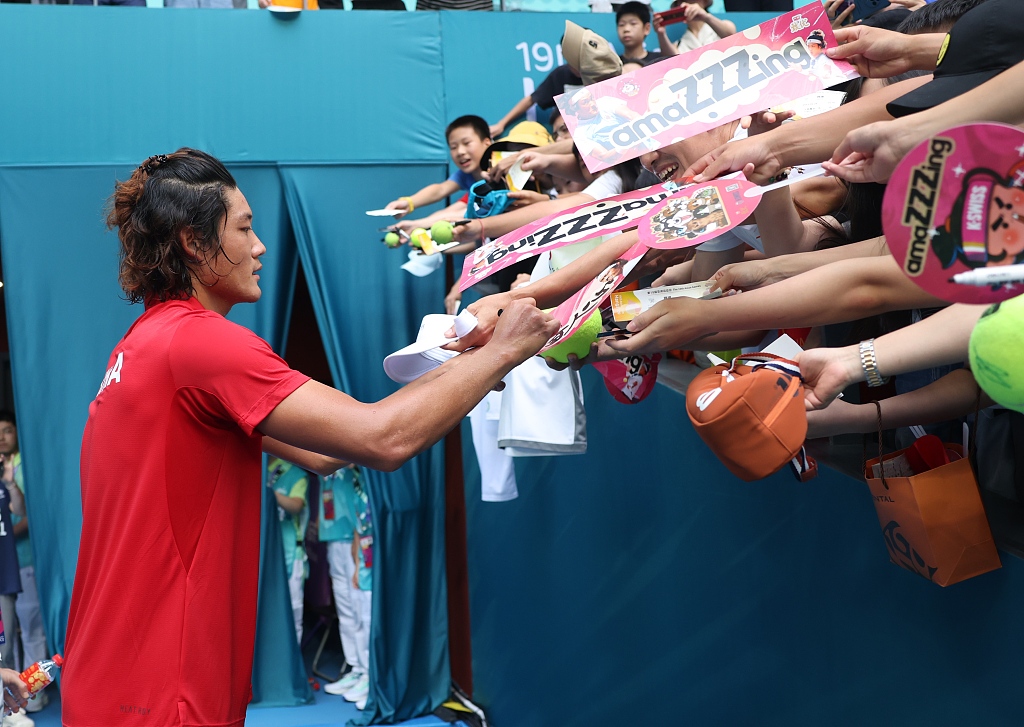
607, 185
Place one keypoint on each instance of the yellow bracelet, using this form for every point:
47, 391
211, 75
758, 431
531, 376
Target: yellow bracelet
409, 200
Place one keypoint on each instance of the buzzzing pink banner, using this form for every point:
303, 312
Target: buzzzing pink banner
756, 69
583, 222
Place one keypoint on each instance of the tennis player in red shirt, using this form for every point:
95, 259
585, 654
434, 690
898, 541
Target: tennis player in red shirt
163, 613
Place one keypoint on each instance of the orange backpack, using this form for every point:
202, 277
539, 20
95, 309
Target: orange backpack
752, 415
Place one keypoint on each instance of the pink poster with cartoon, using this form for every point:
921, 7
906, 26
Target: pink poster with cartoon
952, 213
778, 61
699, 213
576, 310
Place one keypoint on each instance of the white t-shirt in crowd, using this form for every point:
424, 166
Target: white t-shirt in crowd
693, 41
607, 185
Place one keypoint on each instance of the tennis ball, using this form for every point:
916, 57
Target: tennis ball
416, 237
392, 239
997, 353
579, 342
441, 231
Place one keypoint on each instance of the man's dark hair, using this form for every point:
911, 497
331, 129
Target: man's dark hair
168, 196
6, 415
475, 123
556, 113
634, 8
937, 17
889, 20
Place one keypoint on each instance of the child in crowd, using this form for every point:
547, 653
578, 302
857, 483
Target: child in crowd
336, 529
351, 578
290, 483
702, 28
362, 583
15, 693
633, 23
468, 138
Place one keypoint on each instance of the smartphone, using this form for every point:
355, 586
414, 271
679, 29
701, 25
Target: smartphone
673, 16
862, 8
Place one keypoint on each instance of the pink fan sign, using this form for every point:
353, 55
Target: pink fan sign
769, 64
576, 310
577, 224
953, 210
699, 214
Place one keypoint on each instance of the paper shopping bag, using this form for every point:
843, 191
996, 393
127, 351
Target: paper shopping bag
934, 523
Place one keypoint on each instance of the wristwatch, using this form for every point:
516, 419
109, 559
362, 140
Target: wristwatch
869, 363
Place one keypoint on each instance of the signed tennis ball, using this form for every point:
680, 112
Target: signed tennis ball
392, 239
442, 231
579, 342
416, 237
997, 353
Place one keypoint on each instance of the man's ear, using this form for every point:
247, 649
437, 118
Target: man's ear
190, 244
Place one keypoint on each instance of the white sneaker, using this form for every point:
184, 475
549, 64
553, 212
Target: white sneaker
361, 704
38, 702
359, 691
19, 719
344, 684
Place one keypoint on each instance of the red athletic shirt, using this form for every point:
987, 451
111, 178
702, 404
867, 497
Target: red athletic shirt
163, 613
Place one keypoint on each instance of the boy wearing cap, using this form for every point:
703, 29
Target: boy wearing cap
702, 28
633, 23
590, 54
589, 58
468, 139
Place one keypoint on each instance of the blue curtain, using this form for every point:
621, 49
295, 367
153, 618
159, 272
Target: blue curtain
64, 315
644, 584
278, 672
367, 307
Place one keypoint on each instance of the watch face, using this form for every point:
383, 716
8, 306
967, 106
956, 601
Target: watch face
953, 214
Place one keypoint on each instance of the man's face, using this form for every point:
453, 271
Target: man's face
586, 107
1005, 225
232, 277
8, 439
467, 148
671, 161
632, 31
815, 49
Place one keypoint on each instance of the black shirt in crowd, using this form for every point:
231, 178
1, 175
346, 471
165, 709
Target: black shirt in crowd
559, 81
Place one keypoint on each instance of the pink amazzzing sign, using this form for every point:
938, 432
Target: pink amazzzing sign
773, 63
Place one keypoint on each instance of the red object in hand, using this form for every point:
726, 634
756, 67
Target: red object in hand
673, 16
41, 674
927, 453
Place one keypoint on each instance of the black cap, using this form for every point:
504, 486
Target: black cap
982, 44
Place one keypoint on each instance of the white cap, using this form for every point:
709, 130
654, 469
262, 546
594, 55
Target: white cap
426, 354
422, 265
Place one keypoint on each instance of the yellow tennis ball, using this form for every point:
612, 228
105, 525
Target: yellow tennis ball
997, 353
417, 236
442, 232
391, 239
579, 342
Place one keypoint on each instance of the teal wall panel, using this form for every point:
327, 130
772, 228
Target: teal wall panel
642, 584
115, 84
